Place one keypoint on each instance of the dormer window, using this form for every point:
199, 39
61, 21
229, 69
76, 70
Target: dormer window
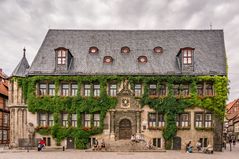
158, 49
125, 50
142, 59
108, 59
187, 55
93, 50
61, 57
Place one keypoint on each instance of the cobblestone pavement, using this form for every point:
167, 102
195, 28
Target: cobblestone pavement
76, 154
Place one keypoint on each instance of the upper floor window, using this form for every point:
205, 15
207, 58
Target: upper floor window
112, 89
155, 120
203, 120
87, 88
87, 120
185, 90
61, 56
183, 120
65, 120
50, 120
96, 120
138, 90
209, 89
74, 120
208, 120
176, 89
42, 119
152, 89
65, 90
125, 50
200, 89
199, 120
51, 90
42, 89
46, 89
162, 90
45, 119
74, 88
96, 88
5, 119
187, 55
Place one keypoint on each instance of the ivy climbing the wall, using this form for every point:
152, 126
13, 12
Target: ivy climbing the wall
169, 105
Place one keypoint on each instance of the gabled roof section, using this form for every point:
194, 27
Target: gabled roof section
231, 104
209, 53
21, 69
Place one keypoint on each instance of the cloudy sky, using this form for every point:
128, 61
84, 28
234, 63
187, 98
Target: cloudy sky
24, 23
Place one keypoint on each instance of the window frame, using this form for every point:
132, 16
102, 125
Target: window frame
96, 90
153, 91
61, 56
112, 91
187, 56
87, 91
137, 90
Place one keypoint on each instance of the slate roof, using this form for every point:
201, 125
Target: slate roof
209, 54
21, 69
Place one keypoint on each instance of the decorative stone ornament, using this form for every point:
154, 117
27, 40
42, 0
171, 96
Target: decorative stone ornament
125, 102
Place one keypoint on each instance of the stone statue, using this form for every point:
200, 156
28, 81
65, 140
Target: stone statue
31, 133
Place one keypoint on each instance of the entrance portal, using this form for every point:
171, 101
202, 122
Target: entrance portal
125, 130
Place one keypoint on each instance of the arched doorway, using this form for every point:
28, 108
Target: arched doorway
125, 130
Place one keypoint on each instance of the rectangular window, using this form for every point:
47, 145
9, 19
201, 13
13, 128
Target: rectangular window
138, 90
65, 89
74, 88
199, 120
74, 120
87, 88
160, 120
42, 89
96, 120
200, 89
184, 120
5, 135
185, 90
65, 120
50, 120
96, 88
6, 119
152, 89
51, 89
157, 142
208, 120
209, 89
162, 90
87, 120
42, 119
152, 119
176, 90
61, 57
187, 56
112, 90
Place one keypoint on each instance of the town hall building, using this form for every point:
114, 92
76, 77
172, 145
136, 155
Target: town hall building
166, 87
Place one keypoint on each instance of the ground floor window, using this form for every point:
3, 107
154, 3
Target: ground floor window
157, 142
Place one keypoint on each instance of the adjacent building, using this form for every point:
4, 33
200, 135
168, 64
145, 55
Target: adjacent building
167, 87
232, 116
4, 111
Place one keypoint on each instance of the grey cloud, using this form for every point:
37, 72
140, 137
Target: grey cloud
25, 23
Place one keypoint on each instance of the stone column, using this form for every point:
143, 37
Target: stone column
112, 125
138, 122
